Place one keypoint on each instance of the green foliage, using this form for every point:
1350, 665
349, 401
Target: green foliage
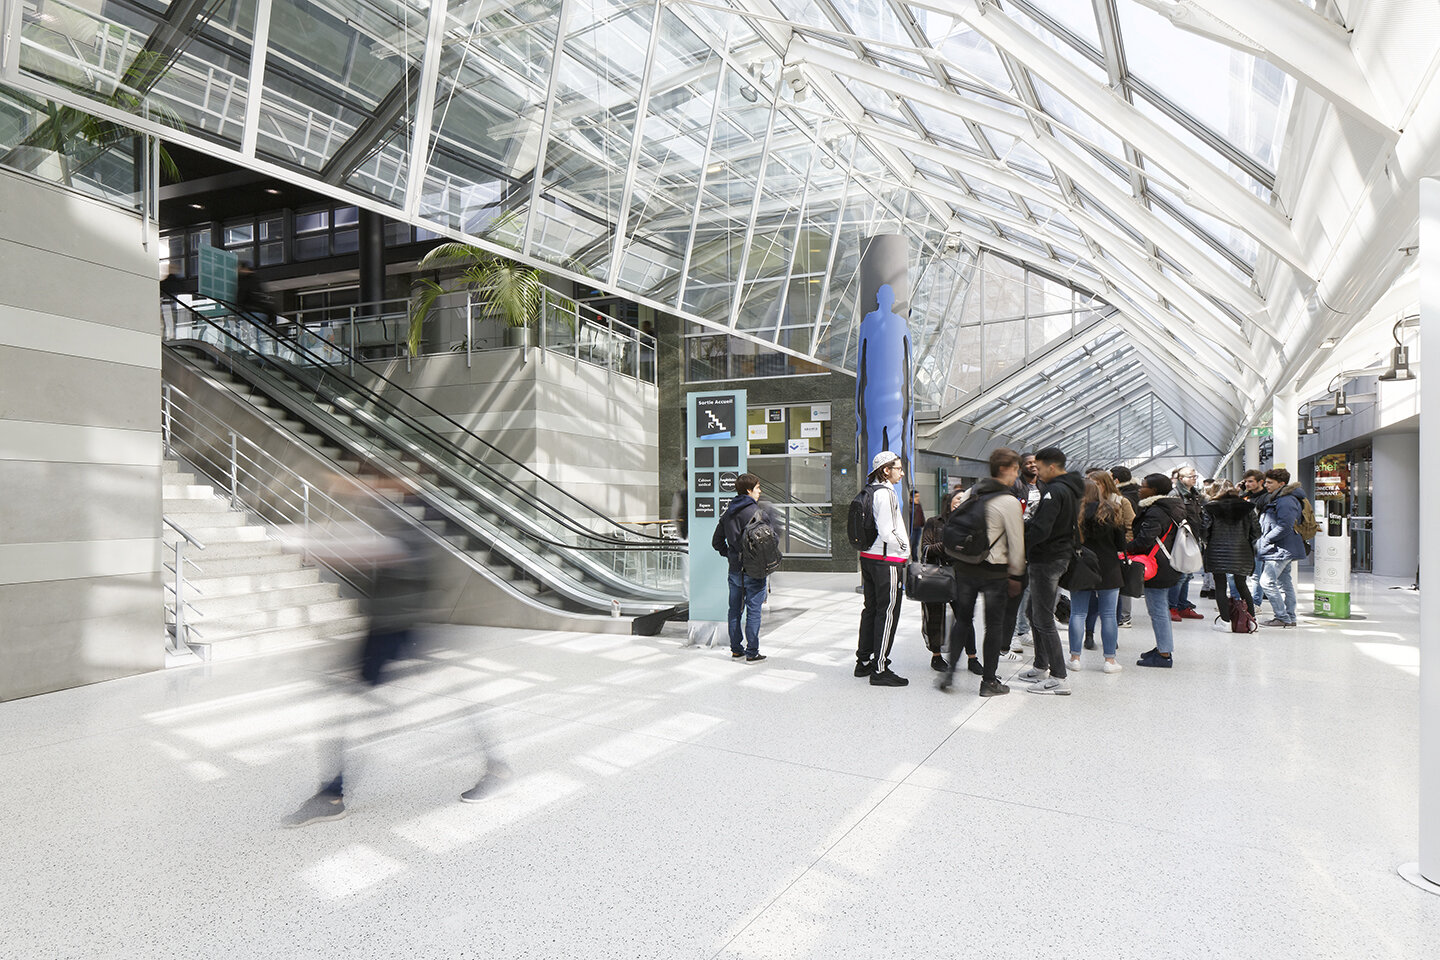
504, 287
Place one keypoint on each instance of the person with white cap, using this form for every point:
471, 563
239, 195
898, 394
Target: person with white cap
882, 569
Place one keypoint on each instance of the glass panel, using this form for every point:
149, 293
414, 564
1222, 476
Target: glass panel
1243, 99
1004, 348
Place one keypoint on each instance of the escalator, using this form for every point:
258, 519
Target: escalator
542, 550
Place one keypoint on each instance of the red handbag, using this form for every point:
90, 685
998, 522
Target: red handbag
1147, 560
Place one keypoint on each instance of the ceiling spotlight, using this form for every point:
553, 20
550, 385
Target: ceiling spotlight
1399, 365
1340, 409
749, 93
197, 206
1308, 428
272, 191
1329, 343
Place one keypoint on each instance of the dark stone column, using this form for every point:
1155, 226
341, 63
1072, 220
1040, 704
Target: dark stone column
372, 259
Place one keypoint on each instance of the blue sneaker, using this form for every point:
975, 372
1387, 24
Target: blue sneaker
1152, 658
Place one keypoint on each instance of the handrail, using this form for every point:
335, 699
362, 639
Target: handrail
183, 532
449, 445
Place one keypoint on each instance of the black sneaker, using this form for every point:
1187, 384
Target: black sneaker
945, 682
323, 806
755, 659
863, 668
1089, 643
993, 688
888, 678
975, 667
937, 663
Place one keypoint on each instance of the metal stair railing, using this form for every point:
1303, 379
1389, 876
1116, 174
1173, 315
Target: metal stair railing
181, 585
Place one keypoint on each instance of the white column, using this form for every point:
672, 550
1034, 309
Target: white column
1252, 453
1286, 430
1429, 546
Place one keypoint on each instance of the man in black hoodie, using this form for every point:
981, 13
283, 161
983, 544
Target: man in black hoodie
1049, 542
747, 593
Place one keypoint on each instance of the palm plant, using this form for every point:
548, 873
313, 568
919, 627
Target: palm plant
505, 288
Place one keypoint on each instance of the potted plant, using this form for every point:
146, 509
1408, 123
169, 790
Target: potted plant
503, 287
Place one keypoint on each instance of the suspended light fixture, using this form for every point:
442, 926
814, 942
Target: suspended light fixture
1308, 428
1399, 356
1399, 365
1340, 409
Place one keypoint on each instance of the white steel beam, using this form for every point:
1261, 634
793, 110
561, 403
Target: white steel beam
1314, 50
425, 107
1262, 221
254, 89
637, 131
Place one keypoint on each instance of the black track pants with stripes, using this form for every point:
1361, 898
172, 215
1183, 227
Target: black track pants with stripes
881, 616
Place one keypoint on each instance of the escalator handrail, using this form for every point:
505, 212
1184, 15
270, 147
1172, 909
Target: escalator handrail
631, 539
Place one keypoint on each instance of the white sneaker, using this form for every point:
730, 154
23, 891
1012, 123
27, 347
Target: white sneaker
1032, 675
1111, 667
1074, 666
1012, 655
1050, 685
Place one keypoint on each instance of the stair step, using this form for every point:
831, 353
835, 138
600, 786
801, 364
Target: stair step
216, 549
208, 607
242, 583
192, 491
209, 515
260, 621
275, 641
210, 567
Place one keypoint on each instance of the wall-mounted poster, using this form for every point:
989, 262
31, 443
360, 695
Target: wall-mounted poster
1332, 477
811, 429
704, 506
820, 411
774, 414
727, 481
759, 431
797, 447
704, 483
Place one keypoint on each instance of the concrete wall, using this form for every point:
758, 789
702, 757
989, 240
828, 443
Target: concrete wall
80, 589
573, 424
1396, 504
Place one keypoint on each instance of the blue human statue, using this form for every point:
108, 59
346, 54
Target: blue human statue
884, 413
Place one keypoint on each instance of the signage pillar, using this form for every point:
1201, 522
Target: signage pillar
716, 450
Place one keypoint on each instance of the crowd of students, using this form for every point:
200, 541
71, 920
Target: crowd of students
1029, 516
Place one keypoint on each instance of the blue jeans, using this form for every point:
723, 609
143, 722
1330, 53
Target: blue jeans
1279, 588
1157, 604
748, 593
1103, 602
1022, 621
1255, 591
1180, 594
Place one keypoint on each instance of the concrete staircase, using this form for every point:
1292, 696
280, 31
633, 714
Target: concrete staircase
245, 595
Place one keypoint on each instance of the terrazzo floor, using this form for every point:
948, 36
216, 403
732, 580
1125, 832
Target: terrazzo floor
667, 802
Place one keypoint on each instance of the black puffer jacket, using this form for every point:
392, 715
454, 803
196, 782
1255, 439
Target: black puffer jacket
1157, 520
1230, 530
1050, 526
1107, 540
1194, 507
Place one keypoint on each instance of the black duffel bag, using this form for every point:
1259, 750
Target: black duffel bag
1134, 573
930, 583
1084, 570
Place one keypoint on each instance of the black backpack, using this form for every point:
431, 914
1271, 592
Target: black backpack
965, 533
759, 547
860, 527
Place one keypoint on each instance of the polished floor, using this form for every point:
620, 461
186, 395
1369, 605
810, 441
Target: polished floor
667, 802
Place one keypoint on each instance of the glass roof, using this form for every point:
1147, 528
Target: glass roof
723, 159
